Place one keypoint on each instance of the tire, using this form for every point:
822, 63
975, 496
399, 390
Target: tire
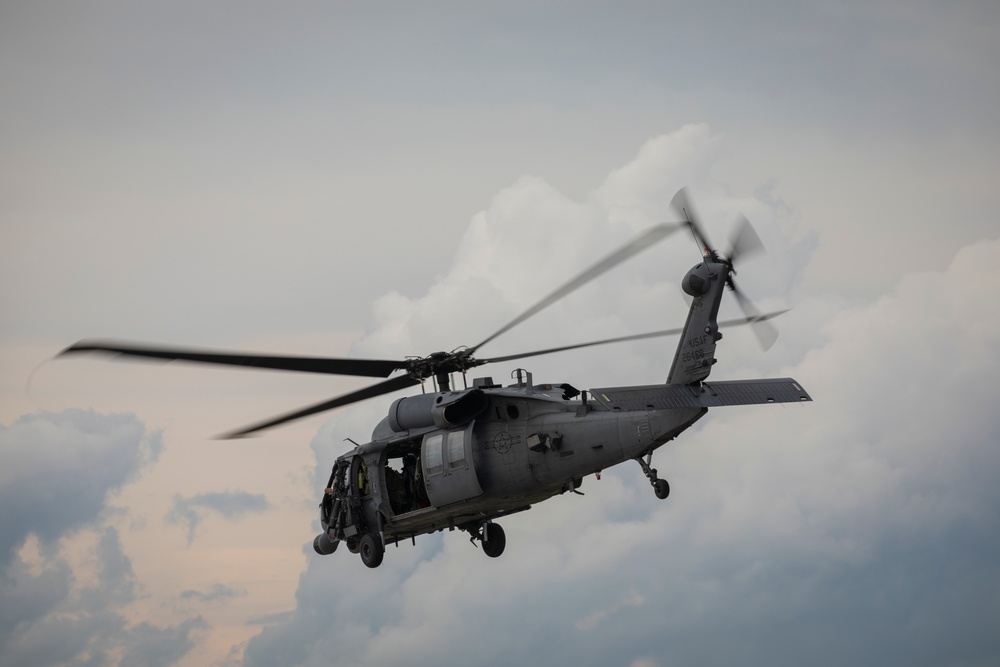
371, 550
662, 488
494, 540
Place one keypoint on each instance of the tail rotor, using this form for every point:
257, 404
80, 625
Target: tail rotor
743, 242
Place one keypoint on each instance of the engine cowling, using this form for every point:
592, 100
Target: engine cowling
443, 410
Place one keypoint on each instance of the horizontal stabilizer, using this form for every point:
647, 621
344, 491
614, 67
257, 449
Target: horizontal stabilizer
706, 395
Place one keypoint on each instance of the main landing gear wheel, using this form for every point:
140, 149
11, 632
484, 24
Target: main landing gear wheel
371, 550
494, 540
660, 486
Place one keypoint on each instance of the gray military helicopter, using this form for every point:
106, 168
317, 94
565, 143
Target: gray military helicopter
462, 458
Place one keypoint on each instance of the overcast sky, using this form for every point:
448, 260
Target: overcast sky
389, 179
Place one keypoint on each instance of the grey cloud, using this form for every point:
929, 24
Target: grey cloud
215, 593
28, 597
58, 471
116, 578
59, 468
156, 646
230, 504
48, 618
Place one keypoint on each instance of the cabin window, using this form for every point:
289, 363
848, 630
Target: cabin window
433, 454
456, 449
444, 451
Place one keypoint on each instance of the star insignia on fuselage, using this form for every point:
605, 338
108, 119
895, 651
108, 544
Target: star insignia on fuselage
503, 442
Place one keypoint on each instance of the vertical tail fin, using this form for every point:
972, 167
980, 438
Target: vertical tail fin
696, 351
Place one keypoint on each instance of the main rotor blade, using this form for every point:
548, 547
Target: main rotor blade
328, 365
623, 339
765, 332
683, 205
640, 243
744, 240
387, 387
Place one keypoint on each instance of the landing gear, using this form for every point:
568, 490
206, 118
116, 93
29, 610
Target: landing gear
660, 486
490, 534
371, 550
494, 540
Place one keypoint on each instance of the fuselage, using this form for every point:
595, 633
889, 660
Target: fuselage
527, 444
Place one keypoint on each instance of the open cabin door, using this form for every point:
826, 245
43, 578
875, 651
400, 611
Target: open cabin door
449, 471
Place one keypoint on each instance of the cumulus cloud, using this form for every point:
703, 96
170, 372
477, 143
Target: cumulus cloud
59, 470
860, 528
230, 504
533, 238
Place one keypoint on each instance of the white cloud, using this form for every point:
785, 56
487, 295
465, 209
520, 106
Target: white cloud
533, 238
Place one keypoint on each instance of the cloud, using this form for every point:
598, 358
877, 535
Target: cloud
59, 469
860, 528
155, 646
230, 504
532, 238
50, 616
58, 472
592, 620
215, 592
116, 579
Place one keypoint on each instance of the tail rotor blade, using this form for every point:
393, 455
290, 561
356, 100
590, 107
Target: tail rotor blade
682, 204
744, 240
765, 332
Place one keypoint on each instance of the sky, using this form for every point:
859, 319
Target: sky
379, 180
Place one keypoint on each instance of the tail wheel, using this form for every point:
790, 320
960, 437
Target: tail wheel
371, 550
494, 540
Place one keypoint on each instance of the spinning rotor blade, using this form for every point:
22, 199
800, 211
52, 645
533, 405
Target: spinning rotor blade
765, 332
623, 339
744, 241
387, 387
329, 365
640, 243
683, 205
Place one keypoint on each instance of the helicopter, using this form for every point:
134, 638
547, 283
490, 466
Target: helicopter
462, 458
